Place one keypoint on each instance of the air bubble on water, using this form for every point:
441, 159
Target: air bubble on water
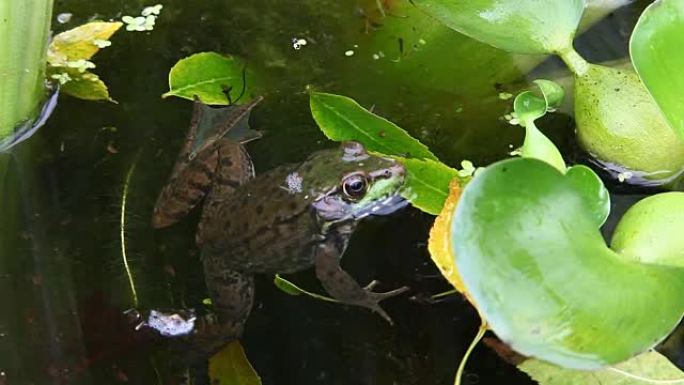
349, 53
298, 43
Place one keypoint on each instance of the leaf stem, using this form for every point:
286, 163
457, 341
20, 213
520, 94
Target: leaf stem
574, 61
476, 340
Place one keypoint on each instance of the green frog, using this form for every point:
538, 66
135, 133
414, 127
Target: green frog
291, 218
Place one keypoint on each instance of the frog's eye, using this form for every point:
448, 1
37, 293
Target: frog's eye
354, 186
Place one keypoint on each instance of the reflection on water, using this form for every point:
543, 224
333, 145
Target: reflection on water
63, 282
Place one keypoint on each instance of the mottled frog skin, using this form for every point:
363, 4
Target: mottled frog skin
288, 219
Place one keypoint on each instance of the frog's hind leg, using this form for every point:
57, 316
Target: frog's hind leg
232, 297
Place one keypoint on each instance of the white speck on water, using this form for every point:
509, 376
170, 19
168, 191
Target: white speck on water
356, 46
349, 53
298, 43
625, 175
505, 95
376, 56
294, 183
64, 17
422, 42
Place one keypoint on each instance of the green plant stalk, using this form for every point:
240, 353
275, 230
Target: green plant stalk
24, 31
574, 61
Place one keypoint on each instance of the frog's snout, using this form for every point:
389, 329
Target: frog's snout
397, 170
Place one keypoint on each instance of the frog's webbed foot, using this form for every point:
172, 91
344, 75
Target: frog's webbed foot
344, 288
372, 299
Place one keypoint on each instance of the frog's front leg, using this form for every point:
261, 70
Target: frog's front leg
343, 287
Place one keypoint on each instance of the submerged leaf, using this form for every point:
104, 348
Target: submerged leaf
230, 366
656, 51
292, 289
645, 368
211, 77
342, 119
80, 43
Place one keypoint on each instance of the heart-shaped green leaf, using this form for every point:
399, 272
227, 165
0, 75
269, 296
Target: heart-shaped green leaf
656, 50
522, 26
532, 259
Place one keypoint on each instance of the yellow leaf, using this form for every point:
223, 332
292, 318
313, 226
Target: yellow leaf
80, 43
439, 244
230, 366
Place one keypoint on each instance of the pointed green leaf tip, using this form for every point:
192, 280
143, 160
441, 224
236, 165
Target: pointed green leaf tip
656, 50
521, 26
343, 119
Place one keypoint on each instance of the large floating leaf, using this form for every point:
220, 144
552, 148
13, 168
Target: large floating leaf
522, 26
619, 123
341, 118
531, 257
211, 76
656, 50
645, 368
230, 366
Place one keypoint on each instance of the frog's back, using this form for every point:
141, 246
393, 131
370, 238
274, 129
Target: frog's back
265, 226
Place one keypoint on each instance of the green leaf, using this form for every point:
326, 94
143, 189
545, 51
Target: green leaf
342, 119
645, 368
292, 289
522, 26
427, 184
209, 75
80, 43
595, 194
619, 123
87, 86
534, 263
230, 366
656, 51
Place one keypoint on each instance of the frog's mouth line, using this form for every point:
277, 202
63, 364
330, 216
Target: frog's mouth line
383, 207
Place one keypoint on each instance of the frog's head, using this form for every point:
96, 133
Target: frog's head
359, 184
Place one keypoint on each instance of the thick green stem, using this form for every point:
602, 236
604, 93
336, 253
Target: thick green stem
574, 61
24, 29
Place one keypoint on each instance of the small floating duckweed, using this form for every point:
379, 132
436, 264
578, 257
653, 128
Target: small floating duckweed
62, 78
146, 21
100, 43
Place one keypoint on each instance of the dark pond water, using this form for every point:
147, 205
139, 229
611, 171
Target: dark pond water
63, 284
